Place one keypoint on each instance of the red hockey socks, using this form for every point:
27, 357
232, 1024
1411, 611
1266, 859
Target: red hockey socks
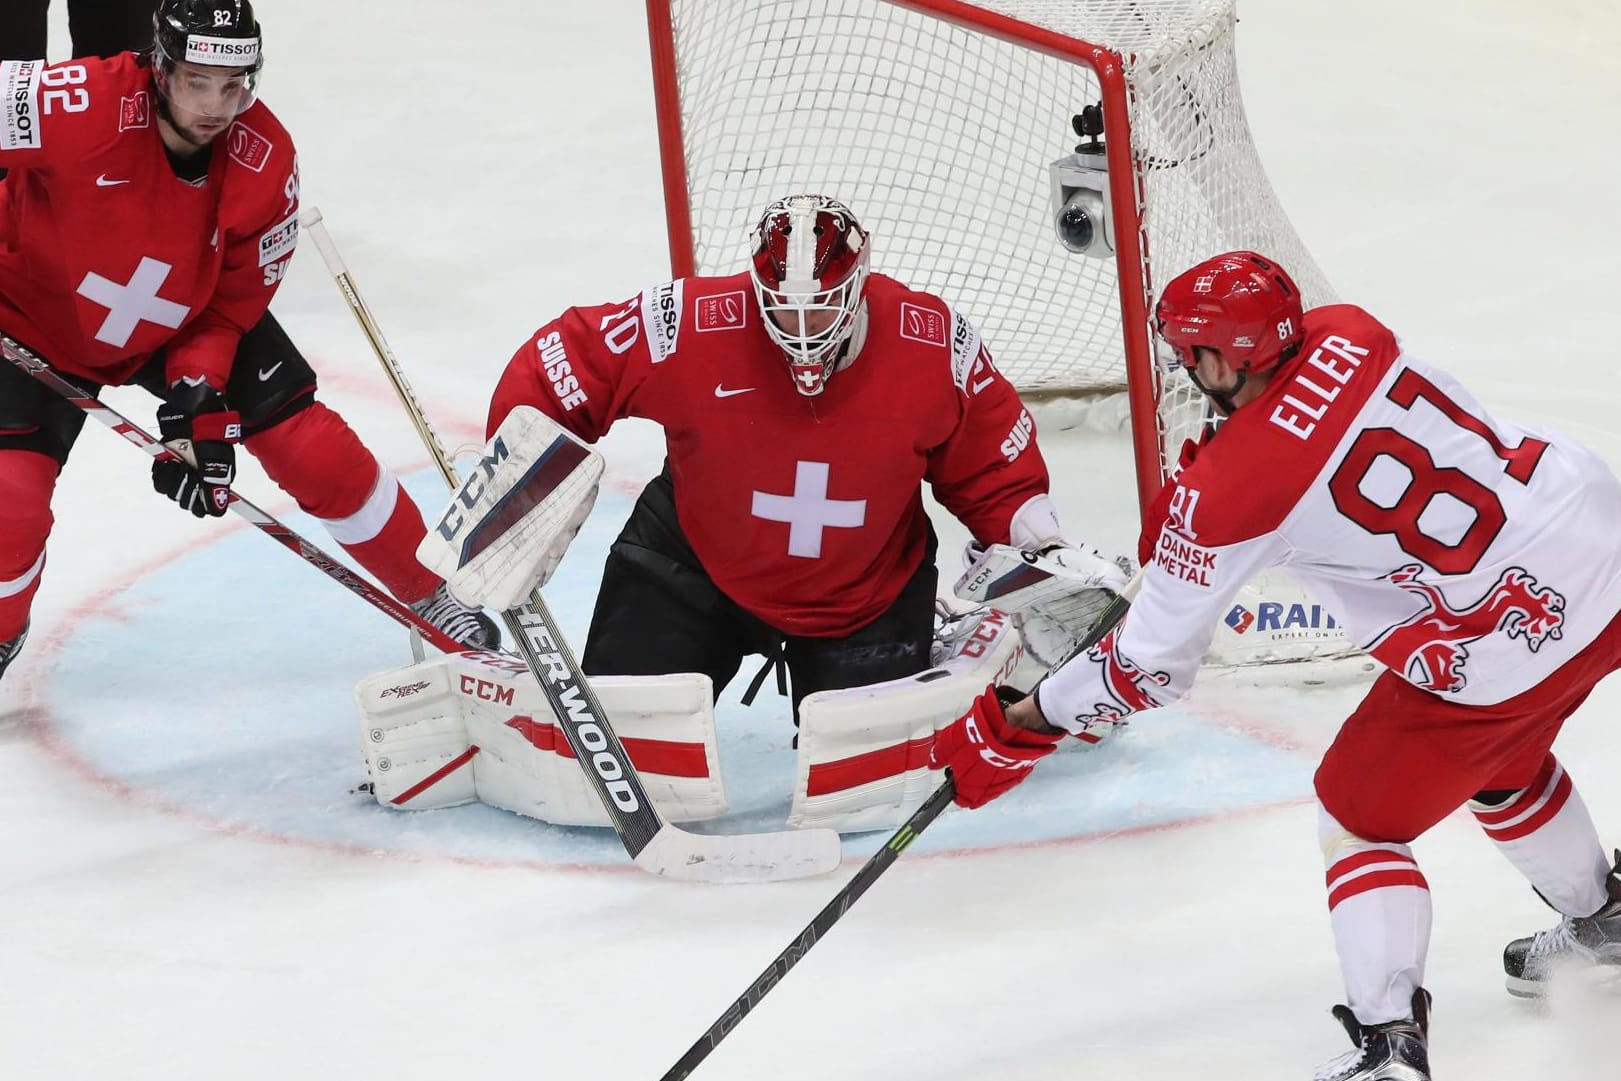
318, 460
27, 480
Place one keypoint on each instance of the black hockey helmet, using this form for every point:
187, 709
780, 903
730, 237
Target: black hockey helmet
219, 33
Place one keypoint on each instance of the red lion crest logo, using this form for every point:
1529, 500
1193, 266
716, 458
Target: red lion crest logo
1431, 648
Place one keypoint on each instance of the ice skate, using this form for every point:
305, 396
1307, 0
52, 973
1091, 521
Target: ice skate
469, 626
9, 650
1393, 1051
1591, 942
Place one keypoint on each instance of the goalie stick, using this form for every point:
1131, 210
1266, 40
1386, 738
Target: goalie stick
880, 862
653, 844
23, 358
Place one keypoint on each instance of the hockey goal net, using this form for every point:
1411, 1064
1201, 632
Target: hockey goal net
937, 121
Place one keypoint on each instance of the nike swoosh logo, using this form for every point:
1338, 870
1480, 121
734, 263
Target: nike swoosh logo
266, 373
722, 392
103, 182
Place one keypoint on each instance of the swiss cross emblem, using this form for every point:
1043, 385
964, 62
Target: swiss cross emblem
808, 511
131, 303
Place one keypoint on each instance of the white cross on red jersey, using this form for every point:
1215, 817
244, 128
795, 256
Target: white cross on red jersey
808, 511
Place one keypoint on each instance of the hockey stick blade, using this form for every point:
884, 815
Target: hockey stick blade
880, 862
737, 858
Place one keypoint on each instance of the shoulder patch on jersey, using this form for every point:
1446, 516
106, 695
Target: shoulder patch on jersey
278, 241
248, 148
922, 324
19, 104
722, 311
964, 349
135, 112
661, 314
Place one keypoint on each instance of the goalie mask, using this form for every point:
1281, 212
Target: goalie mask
809, 265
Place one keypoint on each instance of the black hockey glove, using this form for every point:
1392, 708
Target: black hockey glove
196, 424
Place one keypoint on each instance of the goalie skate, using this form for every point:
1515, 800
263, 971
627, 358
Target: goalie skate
469, 626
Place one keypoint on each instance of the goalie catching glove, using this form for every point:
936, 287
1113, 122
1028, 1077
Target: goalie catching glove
508, 526
1055, 593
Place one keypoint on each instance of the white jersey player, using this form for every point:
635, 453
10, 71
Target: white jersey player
1456, 548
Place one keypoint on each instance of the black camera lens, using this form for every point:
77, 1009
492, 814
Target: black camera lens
1075, 227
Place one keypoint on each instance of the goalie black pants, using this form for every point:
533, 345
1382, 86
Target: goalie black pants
659, 612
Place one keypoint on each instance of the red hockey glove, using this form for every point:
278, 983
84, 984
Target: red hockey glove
987, 755
196, 424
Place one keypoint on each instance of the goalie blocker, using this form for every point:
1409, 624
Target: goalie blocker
475, 726
511, 521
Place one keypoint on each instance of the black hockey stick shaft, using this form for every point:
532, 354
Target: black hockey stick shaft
23, 358
880, 862
820, 925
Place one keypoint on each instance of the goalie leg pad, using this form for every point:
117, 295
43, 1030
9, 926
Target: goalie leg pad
864, 752
522, 761
508, 526
414, 741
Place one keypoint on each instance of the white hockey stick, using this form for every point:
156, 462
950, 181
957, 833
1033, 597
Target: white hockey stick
654, 845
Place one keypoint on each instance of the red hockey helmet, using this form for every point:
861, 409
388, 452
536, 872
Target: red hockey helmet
1242, 305
809, 265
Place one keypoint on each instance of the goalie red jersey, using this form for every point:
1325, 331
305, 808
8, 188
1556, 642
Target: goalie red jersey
97, 289
805, 510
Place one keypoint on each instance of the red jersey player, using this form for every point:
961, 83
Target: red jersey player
789, 518
1457, 548
149, 214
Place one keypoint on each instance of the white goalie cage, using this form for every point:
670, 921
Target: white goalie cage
938, 120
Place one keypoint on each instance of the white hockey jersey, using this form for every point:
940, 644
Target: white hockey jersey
1470, 556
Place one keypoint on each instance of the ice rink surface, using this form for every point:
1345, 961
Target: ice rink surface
187, 890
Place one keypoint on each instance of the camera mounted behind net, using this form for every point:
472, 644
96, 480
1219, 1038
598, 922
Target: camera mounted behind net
1081, 191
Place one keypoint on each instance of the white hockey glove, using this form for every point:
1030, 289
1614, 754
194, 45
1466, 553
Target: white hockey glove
1055, 594
507, 528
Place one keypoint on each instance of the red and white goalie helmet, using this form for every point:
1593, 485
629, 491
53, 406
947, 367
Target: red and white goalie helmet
809, 265
1242, 305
